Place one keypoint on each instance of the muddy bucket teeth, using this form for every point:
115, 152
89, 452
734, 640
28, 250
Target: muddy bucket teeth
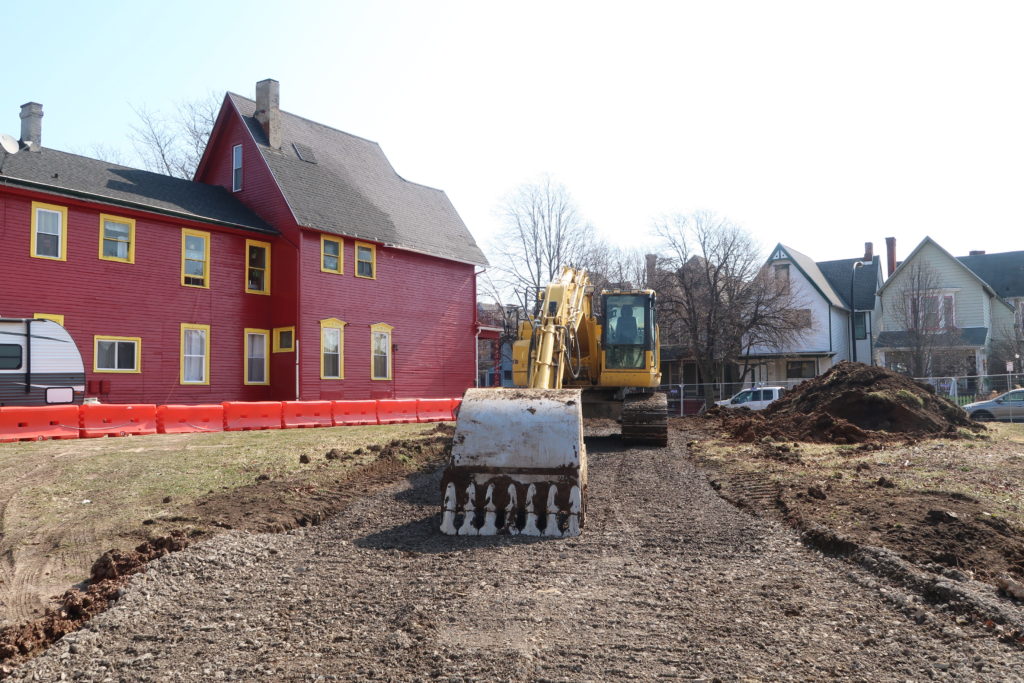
518, 465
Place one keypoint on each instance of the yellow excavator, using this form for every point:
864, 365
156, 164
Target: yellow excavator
518, 463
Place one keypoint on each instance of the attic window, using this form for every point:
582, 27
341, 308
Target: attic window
236, 168
304, 152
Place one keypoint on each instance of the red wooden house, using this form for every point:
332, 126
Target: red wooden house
297, 264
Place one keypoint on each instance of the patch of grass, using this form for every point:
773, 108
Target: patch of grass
909, 398
81, 497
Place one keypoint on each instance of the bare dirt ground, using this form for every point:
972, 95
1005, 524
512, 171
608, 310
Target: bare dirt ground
63, 503
668, 581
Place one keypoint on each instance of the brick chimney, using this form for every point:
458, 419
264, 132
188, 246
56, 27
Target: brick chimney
32, 125
977, 252
890, 255
651, 269
869, 251
268, 110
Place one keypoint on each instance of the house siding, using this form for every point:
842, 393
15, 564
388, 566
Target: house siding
143, 299
260, 191
429, 302
839, 320
972, 309
805, 296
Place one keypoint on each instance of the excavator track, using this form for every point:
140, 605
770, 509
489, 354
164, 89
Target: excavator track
645, 419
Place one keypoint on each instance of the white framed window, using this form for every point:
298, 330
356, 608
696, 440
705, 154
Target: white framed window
48, 232
257, 370
380, 351
195, 354
934, 311
116, 354
236, 168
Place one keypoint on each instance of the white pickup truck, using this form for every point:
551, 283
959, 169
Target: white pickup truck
756, 399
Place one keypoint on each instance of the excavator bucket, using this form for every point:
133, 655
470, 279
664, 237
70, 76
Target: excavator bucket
518, 464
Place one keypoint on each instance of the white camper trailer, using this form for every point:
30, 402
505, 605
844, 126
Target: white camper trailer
39, 364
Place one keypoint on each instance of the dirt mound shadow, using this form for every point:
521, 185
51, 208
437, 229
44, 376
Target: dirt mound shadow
852, 403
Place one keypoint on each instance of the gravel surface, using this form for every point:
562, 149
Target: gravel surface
667, 581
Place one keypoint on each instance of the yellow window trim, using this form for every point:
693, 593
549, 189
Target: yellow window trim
63, 211
96, 354
130, 222
373, 259
266, 356
278, 347
55, 317
380, 327
341, 254
333, 323
266, 274
186, 232
181, 355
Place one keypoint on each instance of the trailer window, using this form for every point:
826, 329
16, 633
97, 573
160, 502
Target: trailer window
10, 356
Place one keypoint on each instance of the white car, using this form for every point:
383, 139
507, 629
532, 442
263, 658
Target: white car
755, 399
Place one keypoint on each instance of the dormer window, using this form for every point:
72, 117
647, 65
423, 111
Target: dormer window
236, 168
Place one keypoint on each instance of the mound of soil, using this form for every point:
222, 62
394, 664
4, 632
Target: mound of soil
852, 403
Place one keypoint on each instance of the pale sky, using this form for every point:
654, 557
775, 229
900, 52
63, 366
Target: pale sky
817, 124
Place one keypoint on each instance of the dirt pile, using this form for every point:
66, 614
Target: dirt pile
852, 403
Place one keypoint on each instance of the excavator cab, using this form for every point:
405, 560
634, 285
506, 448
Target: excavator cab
629, 338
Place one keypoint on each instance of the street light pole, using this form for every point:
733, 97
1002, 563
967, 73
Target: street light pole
853, 313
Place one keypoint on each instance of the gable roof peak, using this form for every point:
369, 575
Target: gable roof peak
352, 190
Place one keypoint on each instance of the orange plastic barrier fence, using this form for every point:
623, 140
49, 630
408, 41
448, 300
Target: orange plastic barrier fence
116, 419
175, 419
245, 416
354, 413
306, 414
396, 410
34, 423
434, 409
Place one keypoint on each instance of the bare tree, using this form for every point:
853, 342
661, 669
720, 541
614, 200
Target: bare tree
717, 298
617, 268
543, 231
174, 144
931, 342
1008, 352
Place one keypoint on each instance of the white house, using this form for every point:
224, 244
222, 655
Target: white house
838, 301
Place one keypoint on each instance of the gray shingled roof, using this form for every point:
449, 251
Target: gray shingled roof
73, 175
1003, 272
968, 336
839, 274
352, 190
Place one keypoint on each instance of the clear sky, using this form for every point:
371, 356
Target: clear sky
817, 124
